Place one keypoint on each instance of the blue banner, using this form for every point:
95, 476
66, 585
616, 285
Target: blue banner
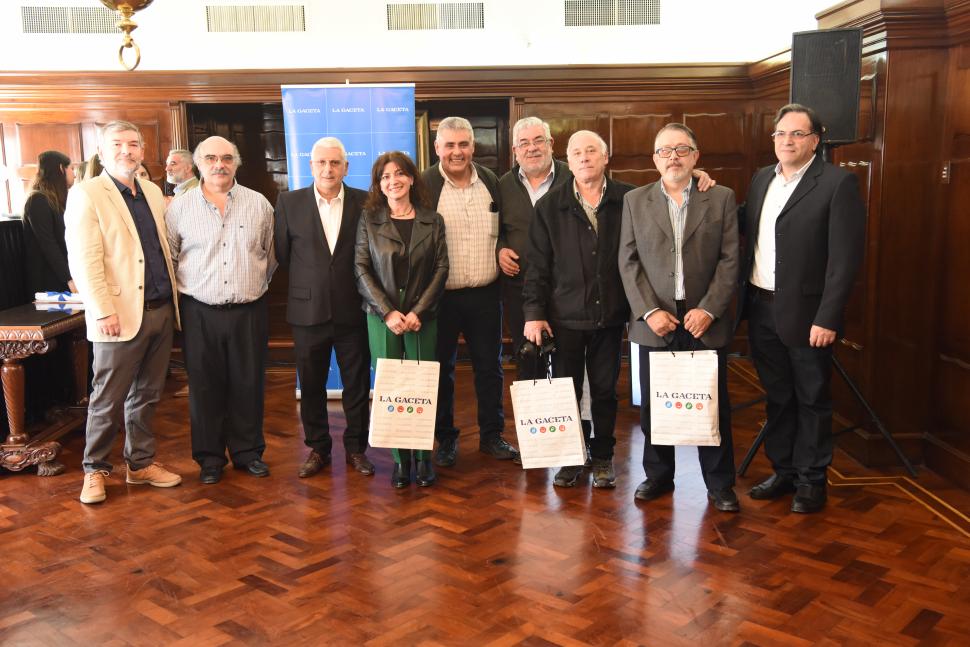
369, 119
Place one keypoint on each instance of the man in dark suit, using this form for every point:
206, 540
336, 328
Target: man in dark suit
679, 264
805, 227
315, 234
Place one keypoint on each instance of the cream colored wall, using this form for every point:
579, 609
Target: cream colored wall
351, 33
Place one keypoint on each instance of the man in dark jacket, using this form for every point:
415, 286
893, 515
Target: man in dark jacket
467, 197
315, 235
573, 290
534, 174
805, 227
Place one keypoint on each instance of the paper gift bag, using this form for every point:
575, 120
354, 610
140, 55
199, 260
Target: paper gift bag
547, 423
683, 402
404, 404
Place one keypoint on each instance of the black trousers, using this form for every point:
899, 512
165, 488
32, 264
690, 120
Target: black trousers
475, 313
598, 352
797, 383
225, 357
717, 463
313, 348
512, 305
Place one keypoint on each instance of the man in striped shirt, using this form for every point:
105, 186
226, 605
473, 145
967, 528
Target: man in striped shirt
466, 195
221, 237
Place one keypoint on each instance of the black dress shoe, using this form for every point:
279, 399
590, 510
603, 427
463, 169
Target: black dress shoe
447, 453
210, 474
360, 463
497, 447
313, 464
724, 500
808, 498
651, 489
772, 487
256, 468
401, 474
425, 473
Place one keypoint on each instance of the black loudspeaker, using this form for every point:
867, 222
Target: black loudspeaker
825, 70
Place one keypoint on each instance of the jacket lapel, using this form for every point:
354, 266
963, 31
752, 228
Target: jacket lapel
808, 182
696, 211
658, 211
386, 228
312, 210
121, 207
423, 226
348, 224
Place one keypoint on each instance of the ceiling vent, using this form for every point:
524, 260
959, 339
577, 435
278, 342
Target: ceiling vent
604, 13
436, 15
255, 18
68, 20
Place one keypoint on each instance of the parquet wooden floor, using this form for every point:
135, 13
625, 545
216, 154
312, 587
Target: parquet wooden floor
491, 555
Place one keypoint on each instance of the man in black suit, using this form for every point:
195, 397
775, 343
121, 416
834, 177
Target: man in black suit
805, 227
315, 234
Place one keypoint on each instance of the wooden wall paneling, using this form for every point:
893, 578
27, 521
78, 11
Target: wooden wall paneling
948, 436
562, 126
723, 141
5, 175
636, 177
905, 238
631, 139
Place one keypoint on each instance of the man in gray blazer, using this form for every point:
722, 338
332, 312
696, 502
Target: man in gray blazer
679, 263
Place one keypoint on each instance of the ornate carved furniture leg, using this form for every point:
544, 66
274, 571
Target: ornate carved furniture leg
16, 453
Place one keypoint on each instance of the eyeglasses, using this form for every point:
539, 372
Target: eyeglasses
525, 143
795, 134
682, 151
225, 159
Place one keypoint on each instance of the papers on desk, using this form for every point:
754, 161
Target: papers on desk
57, 297
58, 301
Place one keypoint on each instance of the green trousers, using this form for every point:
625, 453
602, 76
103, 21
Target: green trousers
384, 343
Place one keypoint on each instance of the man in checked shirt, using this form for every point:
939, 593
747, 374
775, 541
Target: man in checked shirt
221, 237
467, 196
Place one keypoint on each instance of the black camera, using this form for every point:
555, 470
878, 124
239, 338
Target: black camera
528, 350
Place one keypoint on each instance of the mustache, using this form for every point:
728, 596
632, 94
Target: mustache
219, 171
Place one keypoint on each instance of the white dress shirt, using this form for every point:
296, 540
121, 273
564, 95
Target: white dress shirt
542, 189
331, 212
779, 192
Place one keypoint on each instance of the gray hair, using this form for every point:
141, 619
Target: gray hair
197, 157
680, 128
455, 123
181, 152
529, 122
119, 126
600, 140
329, 142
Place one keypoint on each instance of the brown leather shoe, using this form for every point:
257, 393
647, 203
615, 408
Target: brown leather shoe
313, 464
360, 463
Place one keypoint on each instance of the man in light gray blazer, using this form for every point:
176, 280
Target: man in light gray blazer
678, 260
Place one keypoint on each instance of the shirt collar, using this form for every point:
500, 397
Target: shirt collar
797, 175
231, 192
474, 178
579, 196
121, 187
180, 187
685, 193
340, 195
549, 176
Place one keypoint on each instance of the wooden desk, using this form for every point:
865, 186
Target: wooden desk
26, 331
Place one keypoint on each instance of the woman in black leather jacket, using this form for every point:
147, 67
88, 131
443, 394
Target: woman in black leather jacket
401, 264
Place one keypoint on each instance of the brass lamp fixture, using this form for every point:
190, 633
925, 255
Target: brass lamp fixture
126, 9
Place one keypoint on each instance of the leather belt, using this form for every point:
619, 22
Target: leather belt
760, 293
155, 304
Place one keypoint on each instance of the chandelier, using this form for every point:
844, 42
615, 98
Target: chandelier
126, 9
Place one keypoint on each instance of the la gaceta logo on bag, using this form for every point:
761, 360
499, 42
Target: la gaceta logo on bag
688, 401
404, 404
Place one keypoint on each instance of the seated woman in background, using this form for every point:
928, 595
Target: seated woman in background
401, 264
91, 168
44, 247
143, 173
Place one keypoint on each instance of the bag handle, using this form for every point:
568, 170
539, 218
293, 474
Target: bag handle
548, 366
693, 344
404, 355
